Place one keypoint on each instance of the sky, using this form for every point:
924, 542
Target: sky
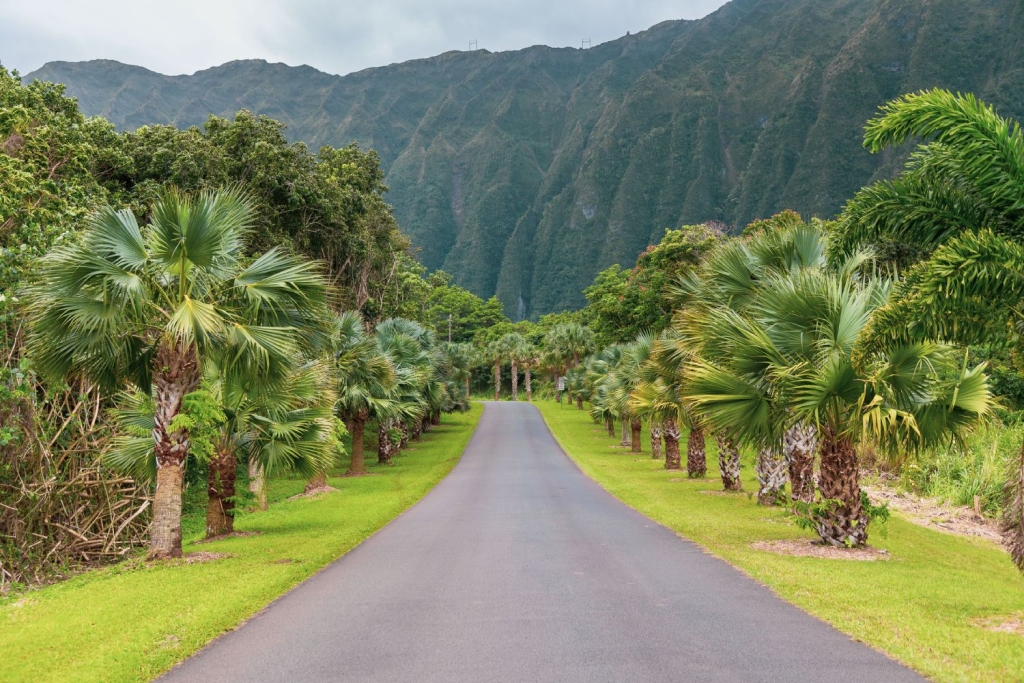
336, 36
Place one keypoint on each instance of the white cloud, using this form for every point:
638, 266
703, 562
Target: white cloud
337, 36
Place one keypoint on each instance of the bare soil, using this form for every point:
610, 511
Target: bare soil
314, 492
203, 556
934, 514
1011, 624
800, 547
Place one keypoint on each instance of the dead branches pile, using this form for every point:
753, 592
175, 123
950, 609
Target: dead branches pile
60, 510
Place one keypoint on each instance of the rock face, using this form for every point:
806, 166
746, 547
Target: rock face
524, 173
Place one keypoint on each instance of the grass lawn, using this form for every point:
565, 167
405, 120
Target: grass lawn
920, 606
133, 621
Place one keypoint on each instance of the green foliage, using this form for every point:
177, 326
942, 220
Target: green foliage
625, 304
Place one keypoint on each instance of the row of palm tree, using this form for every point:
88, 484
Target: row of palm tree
768, 352
224, 357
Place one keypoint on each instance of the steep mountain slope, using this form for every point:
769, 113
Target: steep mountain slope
524, 173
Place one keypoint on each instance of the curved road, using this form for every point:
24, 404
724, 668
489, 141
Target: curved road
517, 567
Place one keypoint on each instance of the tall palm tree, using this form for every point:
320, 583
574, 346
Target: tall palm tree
406, 344
731, 277
795, 355
365, 382
525, 355
657, 397
511, 344
146, 306
960, 201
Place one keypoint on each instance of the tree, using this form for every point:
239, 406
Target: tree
512, 344
623, 304
527, 356
959, 205
147, 306
365, 382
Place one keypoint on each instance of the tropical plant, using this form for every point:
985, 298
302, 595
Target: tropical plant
148, 305
959, 203
365, 381
796, 355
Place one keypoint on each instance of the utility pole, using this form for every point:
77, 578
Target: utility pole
585, 43
449, 328
473, 45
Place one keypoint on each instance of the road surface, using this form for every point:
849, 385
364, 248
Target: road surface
519, 568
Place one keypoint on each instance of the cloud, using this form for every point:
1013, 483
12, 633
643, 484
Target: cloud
338, 36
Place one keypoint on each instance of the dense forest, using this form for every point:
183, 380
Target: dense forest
525, 173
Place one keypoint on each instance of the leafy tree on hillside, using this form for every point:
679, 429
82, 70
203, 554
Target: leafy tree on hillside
625, 304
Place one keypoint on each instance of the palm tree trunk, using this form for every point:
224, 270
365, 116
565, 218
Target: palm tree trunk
1012, 524
529, 385
771, 475
257, 484
696, 454
609, 424
435, 418
384, 446
515, 380
176, 373
842, 520
798, 445
655, 440
403, 426
636, 427
220, 488
626, 439
417, 429
467, 387
357, 427
729, 463
497, 380
579, 403
671, 431
318, 482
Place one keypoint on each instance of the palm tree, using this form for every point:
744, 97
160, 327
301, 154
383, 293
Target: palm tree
525, 355
461, 358
731, 277
656, 397
796, 354
147, 305
365, 382
961, 197
406, 344
511, 344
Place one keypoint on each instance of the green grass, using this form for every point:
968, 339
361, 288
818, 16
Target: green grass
133, 621
917, 606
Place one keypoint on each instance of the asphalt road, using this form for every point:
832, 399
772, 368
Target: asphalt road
517, 567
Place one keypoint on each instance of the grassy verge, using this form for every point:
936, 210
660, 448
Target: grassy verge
923, 606
133, 621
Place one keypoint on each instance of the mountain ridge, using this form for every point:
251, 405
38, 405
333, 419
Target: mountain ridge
525, 172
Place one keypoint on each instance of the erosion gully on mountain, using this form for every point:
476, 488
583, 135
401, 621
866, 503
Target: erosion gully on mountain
517, 567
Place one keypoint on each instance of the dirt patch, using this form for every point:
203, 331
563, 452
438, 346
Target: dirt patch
801, 547
314, 492
361, 474
285, 560
934, 514
725, 494
233, 534
1012, 624
200, 557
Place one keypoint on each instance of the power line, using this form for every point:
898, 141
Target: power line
473, 45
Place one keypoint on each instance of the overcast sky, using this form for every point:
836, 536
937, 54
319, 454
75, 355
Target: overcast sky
337, 36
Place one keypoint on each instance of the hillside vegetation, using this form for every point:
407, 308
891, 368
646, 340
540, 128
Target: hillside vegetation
525, 173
